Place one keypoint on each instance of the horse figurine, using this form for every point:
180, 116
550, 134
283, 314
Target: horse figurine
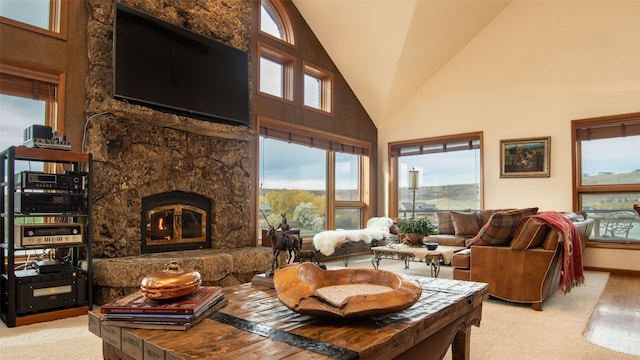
282, 241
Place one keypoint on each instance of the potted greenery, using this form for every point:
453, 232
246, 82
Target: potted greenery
416, 229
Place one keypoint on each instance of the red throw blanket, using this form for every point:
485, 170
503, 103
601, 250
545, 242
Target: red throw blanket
571, 274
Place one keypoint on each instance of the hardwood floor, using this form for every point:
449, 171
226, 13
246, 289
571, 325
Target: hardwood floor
615, 322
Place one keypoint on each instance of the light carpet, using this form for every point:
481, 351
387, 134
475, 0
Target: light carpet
507, 331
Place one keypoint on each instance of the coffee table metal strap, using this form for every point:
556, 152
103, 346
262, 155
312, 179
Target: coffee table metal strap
302, 342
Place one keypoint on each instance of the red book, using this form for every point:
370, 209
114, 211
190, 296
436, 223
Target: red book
138, 303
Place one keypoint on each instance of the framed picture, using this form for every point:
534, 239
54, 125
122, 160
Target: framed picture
521, 158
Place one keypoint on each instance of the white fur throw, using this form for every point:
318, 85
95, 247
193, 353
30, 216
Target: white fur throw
327, 241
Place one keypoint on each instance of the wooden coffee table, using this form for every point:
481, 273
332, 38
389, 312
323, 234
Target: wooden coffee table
415, 253
255, 324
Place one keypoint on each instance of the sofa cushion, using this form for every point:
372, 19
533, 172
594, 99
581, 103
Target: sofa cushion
445, 223
465, 223
529, 233
501, 226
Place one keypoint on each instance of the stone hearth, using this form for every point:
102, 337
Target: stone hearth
116, 277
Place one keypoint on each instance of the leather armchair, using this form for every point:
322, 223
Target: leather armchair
517, 273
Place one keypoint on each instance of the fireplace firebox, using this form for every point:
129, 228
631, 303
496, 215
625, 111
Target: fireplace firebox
175, 221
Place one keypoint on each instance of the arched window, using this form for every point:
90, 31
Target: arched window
275, 22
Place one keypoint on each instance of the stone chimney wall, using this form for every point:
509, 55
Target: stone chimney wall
138, 151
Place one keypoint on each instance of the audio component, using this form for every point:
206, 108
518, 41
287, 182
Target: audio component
45, 234
40, 136
70, 180
55, 144
49, 266
38, 292
49, 203
37, 132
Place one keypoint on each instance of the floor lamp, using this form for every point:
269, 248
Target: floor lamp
413, 186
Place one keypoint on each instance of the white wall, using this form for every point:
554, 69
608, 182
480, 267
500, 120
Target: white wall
536, 67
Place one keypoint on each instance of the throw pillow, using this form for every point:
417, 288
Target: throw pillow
445, 223
530, 233
501, 226
465, 223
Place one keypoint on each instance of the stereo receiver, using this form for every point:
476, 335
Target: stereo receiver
45, 234
49, 203
72, 181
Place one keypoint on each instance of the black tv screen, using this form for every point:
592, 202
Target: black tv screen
169, 68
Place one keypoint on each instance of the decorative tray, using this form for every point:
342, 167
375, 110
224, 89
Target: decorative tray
307, 289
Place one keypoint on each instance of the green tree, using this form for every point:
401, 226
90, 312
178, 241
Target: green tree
307, 218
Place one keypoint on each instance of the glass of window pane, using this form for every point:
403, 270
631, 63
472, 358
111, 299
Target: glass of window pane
610, 161
17, 114
616, 220
312, 91
270, 21
348, 218
271, 77
347, 177
34, 12
448, 181
293, 183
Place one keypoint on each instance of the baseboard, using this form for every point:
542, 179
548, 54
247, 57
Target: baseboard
613, 271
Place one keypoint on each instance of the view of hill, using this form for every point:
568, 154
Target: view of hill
445, 197
600, 179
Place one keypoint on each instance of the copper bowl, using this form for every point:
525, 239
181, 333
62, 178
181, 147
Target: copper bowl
172, 282
304, 288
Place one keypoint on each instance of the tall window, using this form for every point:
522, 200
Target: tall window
43, 16
293, 182
348, 194
450, 175
607, 176
315, 181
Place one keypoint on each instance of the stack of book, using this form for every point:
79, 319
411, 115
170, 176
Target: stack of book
138, 311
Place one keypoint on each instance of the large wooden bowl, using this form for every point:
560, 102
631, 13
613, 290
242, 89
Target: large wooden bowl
308, 289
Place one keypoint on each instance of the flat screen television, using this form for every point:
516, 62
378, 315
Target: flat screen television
168, 68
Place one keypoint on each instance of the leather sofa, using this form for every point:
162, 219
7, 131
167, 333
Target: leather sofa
458, 228
524, 269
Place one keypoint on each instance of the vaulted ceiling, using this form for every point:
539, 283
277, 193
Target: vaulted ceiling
387, 49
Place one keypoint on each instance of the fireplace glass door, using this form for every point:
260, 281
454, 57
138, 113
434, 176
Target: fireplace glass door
175, 224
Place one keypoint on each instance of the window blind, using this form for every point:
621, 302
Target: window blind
315, 140
28, 88
420, 147
607, 128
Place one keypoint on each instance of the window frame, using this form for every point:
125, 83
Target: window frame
331, 143
395, 148
606, 127
58, 14
288, 63
326, 87
287, 27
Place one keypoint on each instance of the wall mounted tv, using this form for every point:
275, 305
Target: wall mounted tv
168, 68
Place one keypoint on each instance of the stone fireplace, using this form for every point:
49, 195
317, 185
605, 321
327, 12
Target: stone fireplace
140, 154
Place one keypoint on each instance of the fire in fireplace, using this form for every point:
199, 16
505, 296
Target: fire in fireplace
175, 221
